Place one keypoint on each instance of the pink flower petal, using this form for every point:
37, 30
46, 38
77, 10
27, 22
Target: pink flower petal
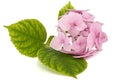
88, 54
61, 36
90, 40
98, 44
67, 45
56, 43
84, 33
63, 23
100, 39
81, 26
79, 45
74, 31
103, 37
87, 16
96, 27
70, 20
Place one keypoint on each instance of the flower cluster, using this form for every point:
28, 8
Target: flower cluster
79, 34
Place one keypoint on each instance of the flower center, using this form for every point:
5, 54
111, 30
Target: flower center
73, 24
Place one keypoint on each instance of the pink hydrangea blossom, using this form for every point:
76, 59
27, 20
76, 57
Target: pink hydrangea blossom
60, 41
72, 22
79, 34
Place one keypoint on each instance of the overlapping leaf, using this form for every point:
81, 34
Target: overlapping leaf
61, 62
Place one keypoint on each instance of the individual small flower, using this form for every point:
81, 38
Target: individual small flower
79, 34
72, 22
96, 36
60, 41
79, 46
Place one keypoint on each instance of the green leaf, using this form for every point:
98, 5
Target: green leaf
28, 36
60, 62
49, 40
65, 9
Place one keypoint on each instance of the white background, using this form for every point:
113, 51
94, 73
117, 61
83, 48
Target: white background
14, 66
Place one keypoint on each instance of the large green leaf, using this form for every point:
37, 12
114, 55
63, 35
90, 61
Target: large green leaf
65, 9
61, 62
28, 36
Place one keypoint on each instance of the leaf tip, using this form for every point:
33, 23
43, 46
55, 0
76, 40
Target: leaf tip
74, 76
69, 2
5, 26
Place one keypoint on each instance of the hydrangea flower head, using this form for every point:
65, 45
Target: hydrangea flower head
79, 34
